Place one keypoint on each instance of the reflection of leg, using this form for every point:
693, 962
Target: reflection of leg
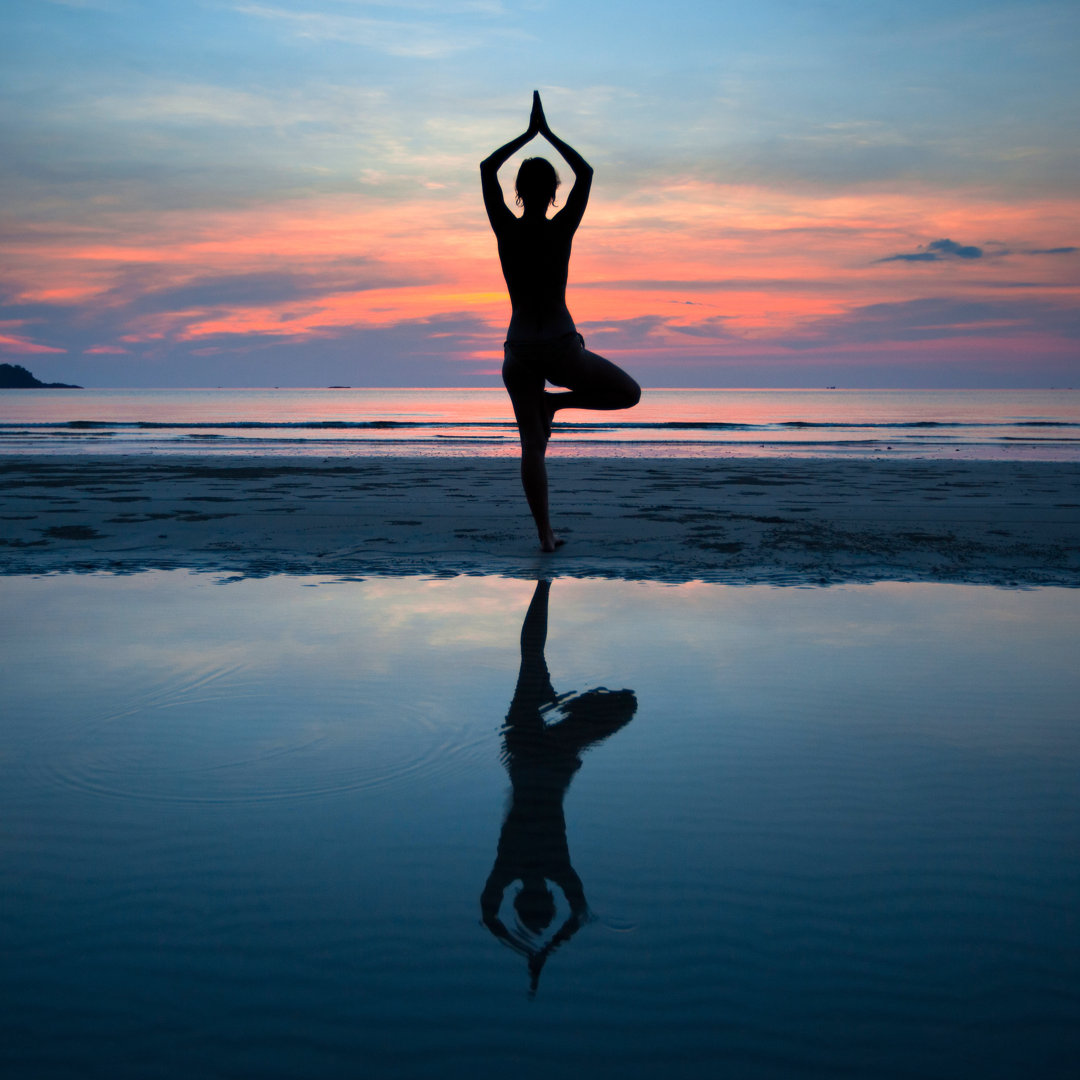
534, 691
592, 717
534, 628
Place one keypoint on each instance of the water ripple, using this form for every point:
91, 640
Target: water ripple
215, 736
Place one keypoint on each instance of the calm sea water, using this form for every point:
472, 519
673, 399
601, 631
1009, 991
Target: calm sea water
296, 827
1024, 424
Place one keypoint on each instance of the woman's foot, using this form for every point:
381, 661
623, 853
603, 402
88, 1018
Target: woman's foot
550, 542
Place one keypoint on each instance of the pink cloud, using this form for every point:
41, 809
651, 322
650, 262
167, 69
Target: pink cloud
15, 343
686, 270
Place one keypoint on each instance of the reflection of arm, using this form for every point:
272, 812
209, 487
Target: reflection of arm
574, 891
537, 959
494, 887
491, 901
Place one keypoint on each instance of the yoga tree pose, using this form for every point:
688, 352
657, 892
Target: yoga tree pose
543, 739
542, 342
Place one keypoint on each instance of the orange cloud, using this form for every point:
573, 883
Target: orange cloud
725, 266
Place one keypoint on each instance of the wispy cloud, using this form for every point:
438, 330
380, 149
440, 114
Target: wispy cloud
703, 284
21, 343
939, 318
950, 250
938, 251
417, 39
91, 5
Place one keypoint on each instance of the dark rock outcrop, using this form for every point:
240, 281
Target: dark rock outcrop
16, 377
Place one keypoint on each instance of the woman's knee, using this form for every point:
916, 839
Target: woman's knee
605, 380
627, 391
532, 431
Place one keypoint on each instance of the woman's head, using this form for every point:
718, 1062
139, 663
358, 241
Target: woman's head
536, 181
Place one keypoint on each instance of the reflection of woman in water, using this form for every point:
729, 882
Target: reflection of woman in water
542, 342
541, 759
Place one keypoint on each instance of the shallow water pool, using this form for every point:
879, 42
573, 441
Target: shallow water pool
303, 827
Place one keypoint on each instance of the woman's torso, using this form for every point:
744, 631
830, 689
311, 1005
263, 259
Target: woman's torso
535, 258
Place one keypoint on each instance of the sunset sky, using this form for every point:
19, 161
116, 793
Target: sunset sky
222, 192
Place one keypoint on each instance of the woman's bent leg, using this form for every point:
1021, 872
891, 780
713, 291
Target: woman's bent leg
592, 383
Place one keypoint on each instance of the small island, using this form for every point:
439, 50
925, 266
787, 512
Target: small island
16, 377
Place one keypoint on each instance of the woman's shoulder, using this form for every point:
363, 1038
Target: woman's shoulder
541, 233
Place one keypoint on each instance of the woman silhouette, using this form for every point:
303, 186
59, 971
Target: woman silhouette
542, 342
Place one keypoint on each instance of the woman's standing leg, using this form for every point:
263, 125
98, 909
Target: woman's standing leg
525, 386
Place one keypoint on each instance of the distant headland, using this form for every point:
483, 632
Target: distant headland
16, 377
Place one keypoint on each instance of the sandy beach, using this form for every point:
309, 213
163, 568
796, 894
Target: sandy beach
734, 521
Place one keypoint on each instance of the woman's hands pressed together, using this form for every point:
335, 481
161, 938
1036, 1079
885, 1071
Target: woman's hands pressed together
538, 124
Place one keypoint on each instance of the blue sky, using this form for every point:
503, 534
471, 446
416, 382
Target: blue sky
286, 193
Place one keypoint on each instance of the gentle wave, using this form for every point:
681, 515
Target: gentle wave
566, 439
613, 425
447, 422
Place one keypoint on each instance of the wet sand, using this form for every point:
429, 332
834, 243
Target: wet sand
734, 521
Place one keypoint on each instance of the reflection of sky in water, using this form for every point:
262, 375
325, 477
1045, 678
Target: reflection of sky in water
247, 829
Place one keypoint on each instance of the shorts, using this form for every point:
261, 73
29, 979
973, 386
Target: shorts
554, 359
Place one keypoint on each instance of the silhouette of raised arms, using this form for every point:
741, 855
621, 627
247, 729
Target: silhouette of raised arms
574, 210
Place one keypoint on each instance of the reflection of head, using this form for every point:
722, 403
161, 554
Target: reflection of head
535, 905
536, 181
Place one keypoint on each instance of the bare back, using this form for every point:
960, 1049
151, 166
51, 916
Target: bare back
535, 258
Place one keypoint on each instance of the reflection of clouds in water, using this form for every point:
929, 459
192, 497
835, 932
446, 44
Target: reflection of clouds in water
268, 625
256, 690
374, 678
475, 611
853, 655
414, 611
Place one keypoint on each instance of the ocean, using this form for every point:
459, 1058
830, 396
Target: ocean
1035, 425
